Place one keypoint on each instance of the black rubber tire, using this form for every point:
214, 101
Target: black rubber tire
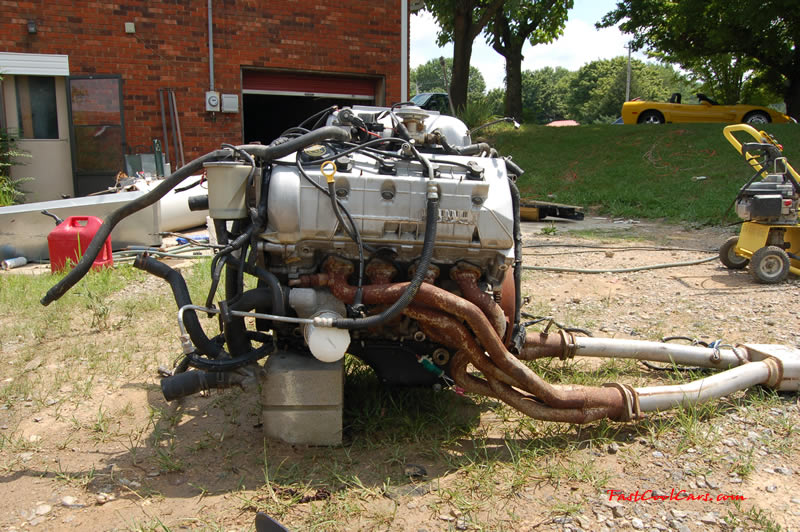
729, 258
650, 117
757, 118
770, 265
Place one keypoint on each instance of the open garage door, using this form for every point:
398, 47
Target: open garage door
275, 101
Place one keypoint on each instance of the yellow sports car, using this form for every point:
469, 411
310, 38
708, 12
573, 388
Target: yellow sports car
706, 110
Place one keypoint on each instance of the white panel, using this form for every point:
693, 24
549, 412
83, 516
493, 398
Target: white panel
34, 64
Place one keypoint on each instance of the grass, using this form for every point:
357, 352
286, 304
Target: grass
636, 171
482, 457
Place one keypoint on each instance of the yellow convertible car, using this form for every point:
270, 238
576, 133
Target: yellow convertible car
705, 110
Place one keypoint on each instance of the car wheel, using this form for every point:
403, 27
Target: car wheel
729, 258
770, 265
756, 118
650, 117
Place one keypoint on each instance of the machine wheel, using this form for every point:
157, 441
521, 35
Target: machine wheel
650, 117
770, 265
756, 118
728, 256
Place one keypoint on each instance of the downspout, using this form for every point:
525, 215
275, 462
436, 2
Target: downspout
403, 49
210, 49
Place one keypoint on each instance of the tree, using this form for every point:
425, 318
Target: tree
765, 31
544, 94
533, 21
429, 77
460, 21
597, 90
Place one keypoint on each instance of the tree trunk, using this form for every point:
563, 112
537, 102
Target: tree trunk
462, 53
513, 56
792, 94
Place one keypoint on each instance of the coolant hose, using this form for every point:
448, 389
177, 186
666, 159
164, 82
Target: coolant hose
182, 298
296, 144
91, 252
278, 306
512, 167
193, 381
431, 216
203, 343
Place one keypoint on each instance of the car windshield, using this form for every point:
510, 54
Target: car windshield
421, 98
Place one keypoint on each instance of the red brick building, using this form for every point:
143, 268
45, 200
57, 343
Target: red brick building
97, 79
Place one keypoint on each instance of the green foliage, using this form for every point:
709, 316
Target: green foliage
636, 171
429, 77
764, 34
10, 188
598, 88
517, 23
477, 111
460, 21
544, 94
495, 100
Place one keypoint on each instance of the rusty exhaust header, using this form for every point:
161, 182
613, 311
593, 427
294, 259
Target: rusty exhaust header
474, 324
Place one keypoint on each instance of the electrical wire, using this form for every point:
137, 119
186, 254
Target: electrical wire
619, 270
352, 231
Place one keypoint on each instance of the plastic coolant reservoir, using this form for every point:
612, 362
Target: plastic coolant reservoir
327, 344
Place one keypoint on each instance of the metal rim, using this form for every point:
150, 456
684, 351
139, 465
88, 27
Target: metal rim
734, 258
771, 266
650, 118
758, 118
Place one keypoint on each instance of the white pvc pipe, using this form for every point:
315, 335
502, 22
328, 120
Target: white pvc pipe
656, 398
692, 355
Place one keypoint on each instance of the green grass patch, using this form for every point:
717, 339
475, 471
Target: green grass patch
637, 171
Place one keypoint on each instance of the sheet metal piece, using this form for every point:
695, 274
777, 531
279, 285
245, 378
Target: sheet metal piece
24, 230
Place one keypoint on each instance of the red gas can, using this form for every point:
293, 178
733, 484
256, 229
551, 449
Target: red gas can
69, 240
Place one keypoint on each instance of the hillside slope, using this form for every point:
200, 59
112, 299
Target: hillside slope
678, 172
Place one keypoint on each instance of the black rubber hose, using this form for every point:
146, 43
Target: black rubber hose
198, 203
278, 306
182, 298
91, 252
512, 167
295, 144
191, 382
264, 152
431, 218
203, 343
518, 334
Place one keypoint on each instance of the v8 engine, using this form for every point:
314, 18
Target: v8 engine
389, 235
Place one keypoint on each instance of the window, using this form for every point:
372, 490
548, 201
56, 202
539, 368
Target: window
36, 104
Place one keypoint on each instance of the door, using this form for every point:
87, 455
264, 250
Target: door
274, 101
98, 132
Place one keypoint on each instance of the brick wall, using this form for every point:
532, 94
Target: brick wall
170, 49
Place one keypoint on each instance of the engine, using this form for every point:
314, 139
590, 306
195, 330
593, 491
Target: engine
345, 226
386, 233
384, 194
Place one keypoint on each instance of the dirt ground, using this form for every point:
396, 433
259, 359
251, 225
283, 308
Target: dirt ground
90, 444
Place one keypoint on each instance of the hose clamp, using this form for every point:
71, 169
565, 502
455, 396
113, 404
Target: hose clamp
570, 347
630, 399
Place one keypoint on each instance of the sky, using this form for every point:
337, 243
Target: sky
581, 43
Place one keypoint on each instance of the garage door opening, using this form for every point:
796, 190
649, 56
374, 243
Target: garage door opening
266, 116
275, 101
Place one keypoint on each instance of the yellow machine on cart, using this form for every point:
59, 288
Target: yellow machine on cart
769, 240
